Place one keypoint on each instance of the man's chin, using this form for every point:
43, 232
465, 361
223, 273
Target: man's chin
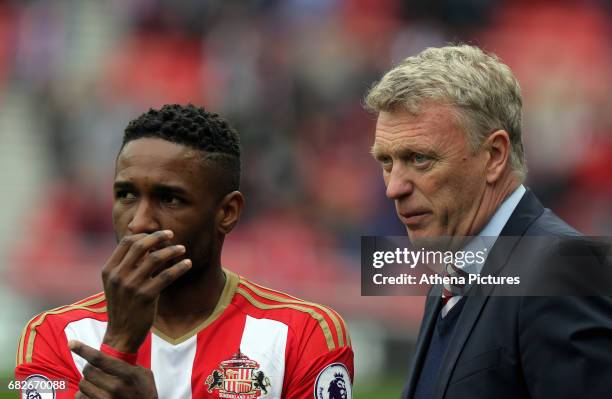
419, 233
436, 240
423, 237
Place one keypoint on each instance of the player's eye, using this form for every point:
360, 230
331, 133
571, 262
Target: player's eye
170, 199
124, 195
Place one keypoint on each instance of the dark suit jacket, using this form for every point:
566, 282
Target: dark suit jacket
522, 346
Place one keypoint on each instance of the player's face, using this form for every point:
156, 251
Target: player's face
431, 173
162, 185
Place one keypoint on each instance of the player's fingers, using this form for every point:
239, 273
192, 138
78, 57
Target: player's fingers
98, 359
81, 395
92, 391
156, 259
121, 249
107, 382
155, 286
139, 248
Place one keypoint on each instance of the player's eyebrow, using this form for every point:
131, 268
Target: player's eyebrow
157, 188
169, 189
123, 185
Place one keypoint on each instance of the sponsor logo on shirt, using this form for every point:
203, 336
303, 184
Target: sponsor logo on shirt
238, 378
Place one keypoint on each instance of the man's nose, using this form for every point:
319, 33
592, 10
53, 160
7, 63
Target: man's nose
144, 219
399, 183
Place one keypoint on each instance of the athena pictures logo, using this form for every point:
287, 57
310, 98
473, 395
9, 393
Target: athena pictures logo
333, 382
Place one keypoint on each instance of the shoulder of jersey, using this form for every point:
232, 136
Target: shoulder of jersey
55, 320
278, 305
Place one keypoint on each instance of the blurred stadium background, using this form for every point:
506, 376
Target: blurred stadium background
290, 76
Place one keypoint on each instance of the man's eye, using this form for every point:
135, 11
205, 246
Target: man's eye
385, 161
420, 159
125, 195
170, 199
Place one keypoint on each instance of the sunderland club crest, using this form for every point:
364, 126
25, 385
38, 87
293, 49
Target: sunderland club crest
238, 378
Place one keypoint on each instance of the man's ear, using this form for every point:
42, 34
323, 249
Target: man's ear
498, 147
230, 209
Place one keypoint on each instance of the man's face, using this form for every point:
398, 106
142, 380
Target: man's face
430, 171
162, 185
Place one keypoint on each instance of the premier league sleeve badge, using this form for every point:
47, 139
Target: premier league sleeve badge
333, 382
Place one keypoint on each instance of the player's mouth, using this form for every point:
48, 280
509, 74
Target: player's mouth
414, 218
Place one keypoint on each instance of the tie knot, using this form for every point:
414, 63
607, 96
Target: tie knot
454, 282
454, 271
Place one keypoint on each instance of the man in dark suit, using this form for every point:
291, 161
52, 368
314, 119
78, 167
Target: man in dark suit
448, 138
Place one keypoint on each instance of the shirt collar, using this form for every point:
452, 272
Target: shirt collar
496, 224
488, 235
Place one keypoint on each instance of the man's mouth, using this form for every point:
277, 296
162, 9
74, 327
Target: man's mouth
414, 218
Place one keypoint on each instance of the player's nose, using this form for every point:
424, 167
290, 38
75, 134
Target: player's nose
144, 219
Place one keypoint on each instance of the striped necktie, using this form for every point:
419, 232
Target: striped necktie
451, 293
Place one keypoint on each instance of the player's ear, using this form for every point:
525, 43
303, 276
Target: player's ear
498, 146
229, 211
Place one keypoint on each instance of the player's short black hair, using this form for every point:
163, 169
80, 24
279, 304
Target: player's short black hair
196, 128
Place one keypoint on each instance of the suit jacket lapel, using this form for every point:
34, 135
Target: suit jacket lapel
527, 210
432, 308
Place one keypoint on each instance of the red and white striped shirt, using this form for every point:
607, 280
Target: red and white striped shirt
257, 343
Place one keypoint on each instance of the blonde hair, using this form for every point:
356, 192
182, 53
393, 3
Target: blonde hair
482, 90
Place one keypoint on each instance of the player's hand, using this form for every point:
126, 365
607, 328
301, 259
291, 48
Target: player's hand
139, 269
105, 377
